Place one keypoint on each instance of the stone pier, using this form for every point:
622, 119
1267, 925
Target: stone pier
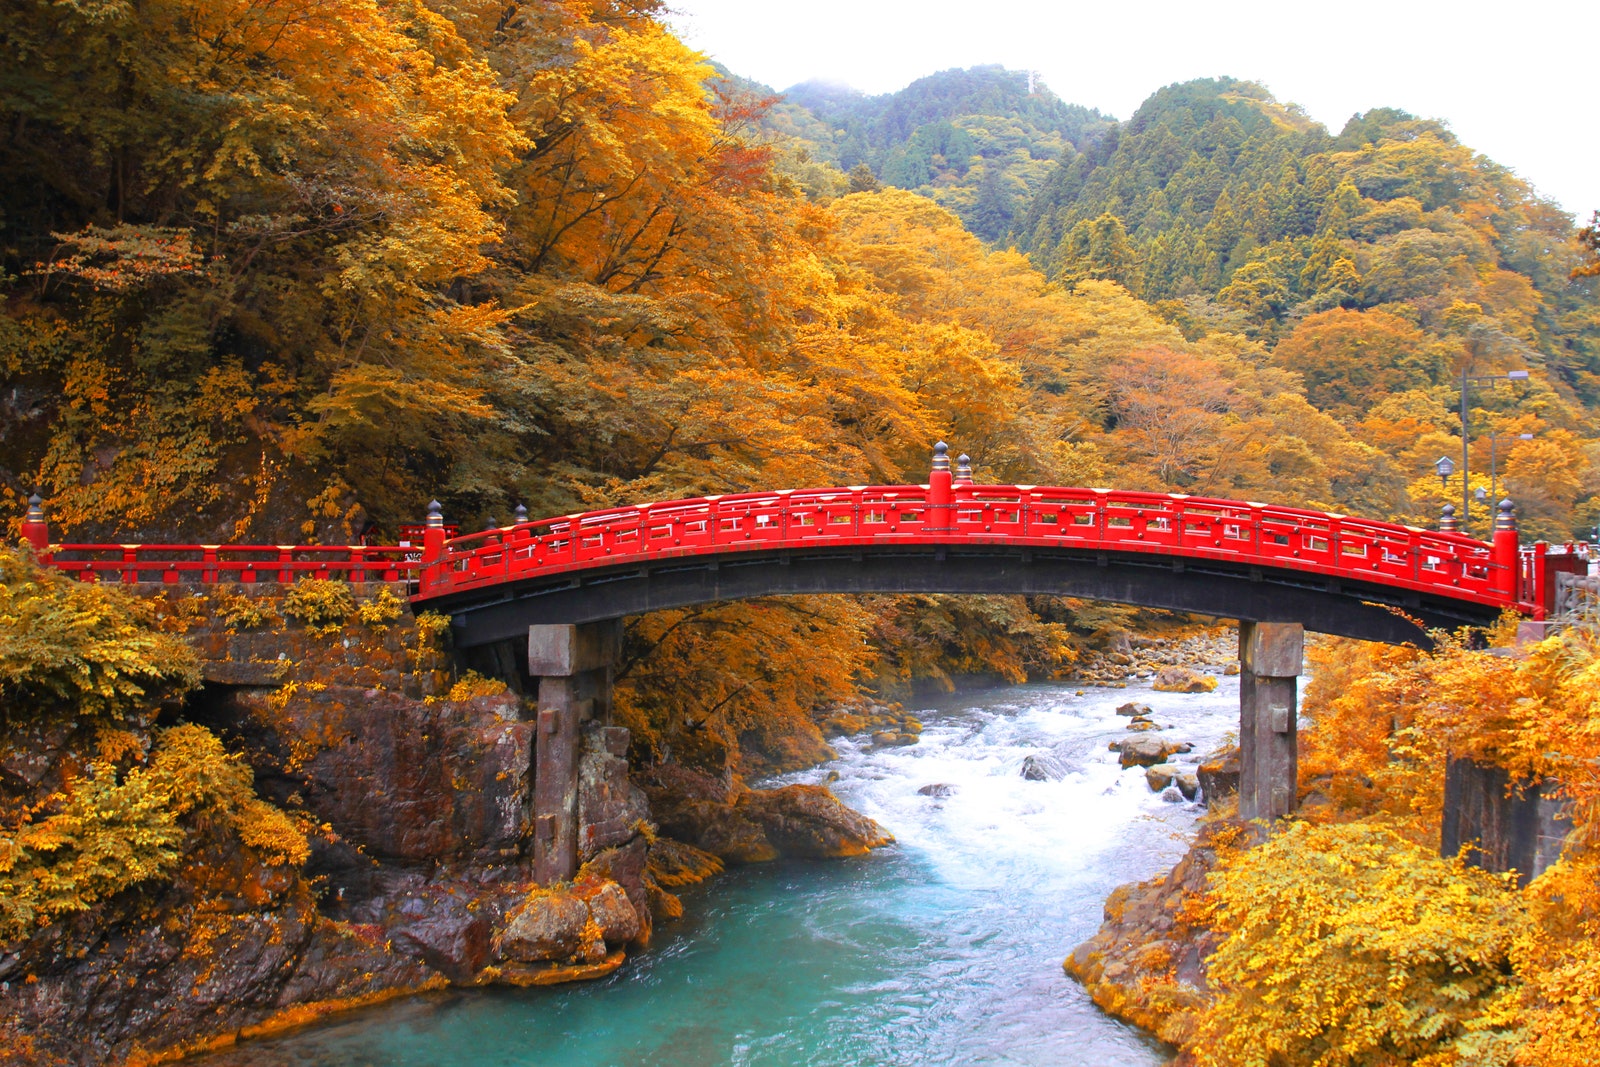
573, 666
1271, 658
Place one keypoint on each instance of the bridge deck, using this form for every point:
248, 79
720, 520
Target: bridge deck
889, 533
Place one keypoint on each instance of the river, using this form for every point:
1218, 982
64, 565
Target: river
945, 948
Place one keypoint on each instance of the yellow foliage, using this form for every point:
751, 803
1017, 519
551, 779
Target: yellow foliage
1364, 750
1349, 945
245, 612
473, 685
82, 649
705, 680
1384, 721
380, 610
323, 604
100, 836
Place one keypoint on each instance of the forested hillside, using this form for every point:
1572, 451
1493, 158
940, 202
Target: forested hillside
1376, 265
980, 142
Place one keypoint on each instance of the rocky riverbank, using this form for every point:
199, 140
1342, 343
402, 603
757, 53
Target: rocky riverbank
1146, 965
411, 789
1126, 657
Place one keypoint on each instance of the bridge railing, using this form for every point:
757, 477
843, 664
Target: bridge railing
248, 564
1334, 546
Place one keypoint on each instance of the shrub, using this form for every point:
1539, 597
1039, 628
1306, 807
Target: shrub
103, 835
322, 604
472, 685
1347, 945
245, 612
380, 610
430, 626
81, 648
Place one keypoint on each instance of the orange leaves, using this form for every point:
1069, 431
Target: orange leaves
1353, 359
699, 679
124, 257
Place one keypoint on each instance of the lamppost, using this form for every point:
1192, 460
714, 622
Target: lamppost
1494, 471
1509, 376
1444, 468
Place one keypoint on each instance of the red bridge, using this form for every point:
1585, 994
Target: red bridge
537, 602
1332, 573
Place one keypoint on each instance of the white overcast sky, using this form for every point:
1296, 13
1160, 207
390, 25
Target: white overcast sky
1516, 81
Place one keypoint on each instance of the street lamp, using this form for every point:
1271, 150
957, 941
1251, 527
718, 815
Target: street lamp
1509, 376
1494, 472
1445, 469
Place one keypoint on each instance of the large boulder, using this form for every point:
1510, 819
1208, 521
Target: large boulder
808, 821
1160, 776
1218, 774
1183, 680
1147, 751
584, 923
757, 825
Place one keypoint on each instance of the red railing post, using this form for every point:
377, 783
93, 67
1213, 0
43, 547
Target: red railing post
941, 496
358, 563
1504, 555
432, 545
36, 530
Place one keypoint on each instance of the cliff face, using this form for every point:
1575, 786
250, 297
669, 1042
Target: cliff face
416, 806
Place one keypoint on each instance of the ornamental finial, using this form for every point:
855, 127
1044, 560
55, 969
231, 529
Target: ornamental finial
941, 457
435, 513
1507, 519
964, 469
1447, 520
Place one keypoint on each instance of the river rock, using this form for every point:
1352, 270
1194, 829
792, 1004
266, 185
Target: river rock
1183, 680
1042, 768
1218, 774
1139, 725
893, 739
1146, 751
714, 826
547, 926
809, 822
937, 789
614, 913
1231, 669
1160, 776
1187, 783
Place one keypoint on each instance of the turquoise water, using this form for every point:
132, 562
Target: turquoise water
943, 949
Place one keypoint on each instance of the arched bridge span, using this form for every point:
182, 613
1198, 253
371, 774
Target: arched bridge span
1331, 573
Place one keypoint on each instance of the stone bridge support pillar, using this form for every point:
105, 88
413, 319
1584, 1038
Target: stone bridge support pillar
574, 666
1271, 657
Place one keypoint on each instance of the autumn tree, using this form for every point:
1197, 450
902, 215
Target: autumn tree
1351, 360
